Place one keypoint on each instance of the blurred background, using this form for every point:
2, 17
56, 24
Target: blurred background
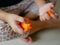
47, 37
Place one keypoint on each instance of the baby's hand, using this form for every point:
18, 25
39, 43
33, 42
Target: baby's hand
46, 12
11, 20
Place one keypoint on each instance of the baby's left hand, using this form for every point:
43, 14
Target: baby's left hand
46, 12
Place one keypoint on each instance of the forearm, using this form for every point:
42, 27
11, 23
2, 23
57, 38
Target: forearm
40, 25
40, 2
3, 14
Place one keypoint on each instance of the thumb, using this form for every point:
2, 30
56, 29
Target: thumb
20, 19
51, 5
16, 28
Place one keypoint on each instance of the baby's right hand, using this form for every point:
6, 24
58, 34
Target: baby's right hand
11, 20
46, 12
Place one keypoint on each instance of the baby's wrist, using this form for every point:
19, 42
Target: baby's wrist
41, 4
3, 15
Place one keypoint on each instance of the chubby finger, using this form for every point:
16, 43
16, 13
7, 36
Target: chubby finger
56, 15
41, 17
16, 28
20, 19
51, 5
46, 16
52, 14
